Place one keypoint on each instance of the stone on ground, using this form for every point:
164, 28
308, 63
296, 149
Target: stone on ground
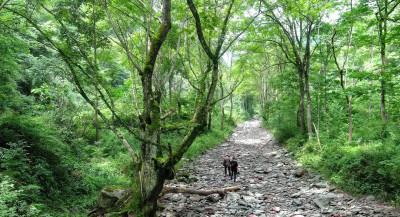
272, 184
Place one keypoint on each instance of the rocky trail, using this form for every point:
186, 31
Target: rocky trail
272, 184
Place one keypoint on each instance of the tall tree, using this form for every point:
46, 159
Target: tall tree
384, 9
341, 70
296, 24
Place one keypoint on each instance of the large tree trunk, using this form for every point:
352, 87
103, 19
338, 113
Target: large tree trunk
149, 177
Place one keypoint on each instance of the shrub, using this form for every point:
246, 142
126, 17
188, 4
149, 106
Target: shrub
38, 162
10, 200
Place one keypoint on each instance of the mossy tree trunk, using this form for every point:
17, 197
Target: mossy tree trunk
153, 169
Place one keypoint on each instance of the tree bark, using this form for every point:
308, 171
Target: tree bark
230, 86
149, 182
371, 55
222, 106
383, 70
307, 56
209, 120
301, 113
382, 16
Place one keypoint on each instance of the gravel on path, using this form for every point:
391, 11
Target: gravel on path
272, 184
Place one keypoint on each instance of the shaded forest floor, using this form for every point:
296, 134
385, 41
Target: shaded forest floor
272, 184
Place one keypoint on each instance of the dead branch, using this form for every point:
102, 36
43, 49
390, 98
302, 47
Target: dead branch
168, 114
220, 191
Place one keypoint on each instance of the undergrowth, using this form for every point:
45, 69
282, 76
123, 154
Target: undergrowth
43, 175
369, 165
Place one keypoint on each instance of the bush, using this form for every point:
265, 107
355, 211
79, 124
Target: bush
11, 200
369, 165
367, 169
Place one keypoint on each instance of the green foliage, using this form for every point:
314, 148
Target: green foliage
49, 152
369, 168
365, 167
34, 157
12, 200
205, 141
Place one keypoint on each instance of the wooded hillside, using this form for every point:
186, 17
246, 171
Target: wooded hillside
117, 92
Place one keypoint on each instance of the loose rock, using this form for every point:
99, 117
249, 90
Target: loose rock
271, 184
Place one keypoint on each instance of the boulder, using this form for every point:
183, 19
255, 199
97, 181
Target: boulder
323, 201
109, 195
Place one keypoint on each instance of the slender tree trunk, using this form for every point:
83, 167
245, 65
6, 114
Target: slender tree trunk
266, 106
148, 22
326, 98
309, 121
262, 93
209, 120
96, 98
170, 90
382, 16
134, 90
222, 107
342, 76
178, 99
350, 120
371, 50
230, 87
383, 83
301, 112
230, 109
307, 57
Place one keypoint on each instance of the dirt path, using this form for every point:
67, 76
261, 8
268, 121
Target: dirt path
269, 186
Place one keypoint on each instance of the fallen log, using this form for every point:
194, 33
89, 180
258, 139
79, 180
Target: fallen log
220, 191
